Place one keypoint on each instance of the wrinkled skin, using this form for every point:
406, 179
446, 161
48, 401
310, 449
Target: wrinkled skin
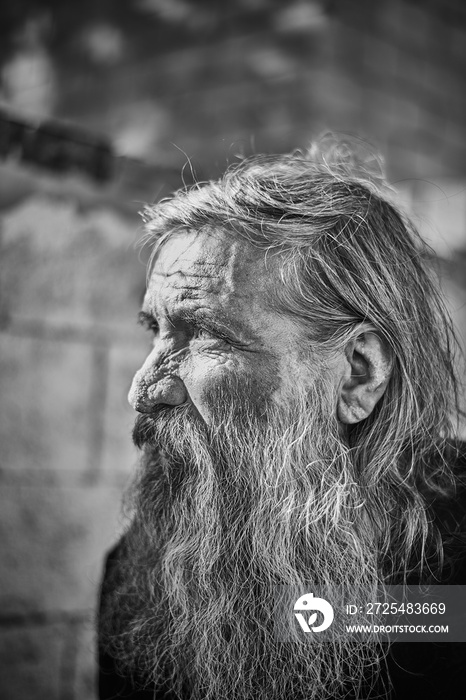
209, 304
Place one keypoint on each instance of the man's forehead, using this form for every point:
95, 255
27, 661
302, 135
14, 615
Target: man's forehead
208, 258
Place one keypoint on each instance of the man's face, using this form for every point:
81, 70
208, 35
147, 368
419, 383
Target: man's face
209, 304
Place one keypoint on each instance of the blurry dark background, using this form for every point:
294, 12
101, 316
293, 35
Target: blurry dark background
105, 104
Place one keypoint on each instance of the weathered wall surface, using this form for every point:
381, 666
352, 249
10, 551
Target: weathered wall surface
70, 288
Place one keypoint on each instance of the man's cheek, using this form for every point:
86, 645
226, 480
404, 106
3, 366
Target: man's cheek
204, 375
218, 383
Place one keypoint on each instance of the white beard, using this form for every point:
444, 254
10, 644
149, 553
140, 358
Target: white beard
221, 518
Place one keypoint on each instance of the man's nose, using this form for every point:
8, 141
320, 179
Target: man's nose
157, 382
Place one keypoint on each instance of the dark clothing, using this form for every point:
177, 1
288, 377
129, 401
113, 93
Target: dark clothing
428, 671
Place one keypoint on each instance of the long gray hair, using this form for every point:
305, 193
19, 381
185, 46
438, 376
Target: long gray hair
351, 257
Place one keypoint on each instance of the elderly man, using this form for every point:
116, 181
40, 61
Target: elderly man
296, 411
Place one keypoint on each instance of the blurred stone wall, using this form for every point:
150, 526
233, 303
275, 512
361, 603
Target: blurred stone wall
206, 80
392, 71
70, 288
71, 282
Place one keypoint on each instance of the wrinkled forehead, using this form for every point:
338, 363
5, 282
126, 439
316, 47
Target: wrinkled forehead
213, 258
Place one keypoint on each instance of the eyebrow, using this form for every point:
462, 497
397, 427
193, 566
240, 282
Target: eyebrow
196, 318
208, 320
147, 319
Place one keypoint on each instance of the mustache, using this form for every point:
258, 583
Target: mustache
149, 428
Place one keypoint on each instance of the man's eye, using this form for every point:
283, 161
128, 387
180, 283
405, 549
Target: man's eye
152, 327
148, 322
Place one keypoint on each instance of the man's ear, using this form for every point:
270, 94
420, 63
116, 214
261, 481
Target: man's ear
366, 371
